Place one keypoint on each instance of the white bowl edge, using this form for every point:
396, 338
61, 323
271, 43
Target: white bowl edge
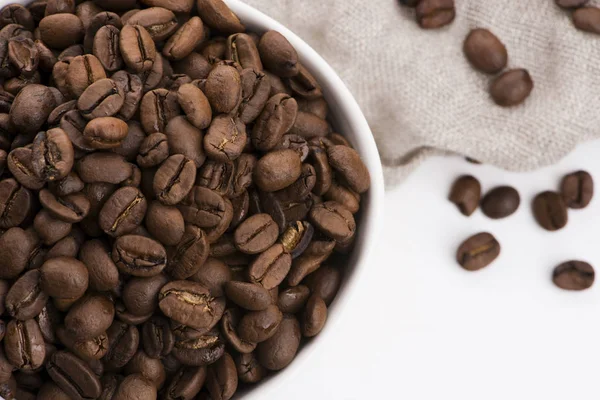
350, 121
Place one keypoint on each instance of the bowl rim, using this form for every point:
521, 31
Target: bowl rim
371, 220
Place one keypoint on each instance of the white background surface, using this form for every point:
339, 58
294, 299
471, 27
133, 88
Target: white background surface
420, 327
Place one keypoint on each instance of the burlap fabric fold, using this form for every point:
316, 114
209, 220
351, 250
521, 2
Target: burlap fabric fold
421, 96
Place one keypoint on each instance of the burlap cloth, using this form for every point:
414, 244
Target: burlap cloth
421, 96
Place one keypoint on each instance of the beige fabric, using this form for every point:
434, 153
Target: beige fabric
421, 96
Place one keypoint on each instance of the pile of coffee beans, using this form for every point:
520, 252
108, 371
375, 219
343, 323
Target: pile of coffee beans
175, 209
550, 210
432, 14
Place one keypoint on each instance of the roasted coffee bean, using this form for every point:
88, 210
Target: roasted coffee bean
160, 22
60, 31
223, 89
278, 351
485, 51
550, 211
500, 202
574, 275
278, 55
217, 15
195, 65
16, 203
150, 368
213, 275
466, 194
256, 89
216, 176
165, 223
184, 138
158, 107
132, 87
31, 108
587, 19
103, 273
577, 189
191, 304
73, 376
248, 368
123, 212
305, 85
18, 246
277, 170
190, 254
199, 351
229, 324
74, 125
317, 107
195, 105
90, 316
103, 167
320, 161
60, 6
314, 316
83, 71
293, 299
294, 142
123, 341
297, 237
258, 326
59, 112
277, 118
66, 247
183, 42
434, 14
135, 386
222, 378
271, 267
256, 234
347, 197
105, 133
71, 208
25, 299
250, 296
242, 49
50, 229
103, 98
140, 295
478, 251
157, 337
225, 139
24, 344
86, 349
17, 14
186, 383
174, 179
312, 258
23, 55
130, 146
571, 3
511, 88
203, 207
139, 256
137, 48
334, 220
52, 155
64, 277
348, 164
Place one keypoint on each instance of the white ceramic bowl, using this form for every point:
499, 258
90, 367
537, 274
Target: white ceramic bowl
348, 119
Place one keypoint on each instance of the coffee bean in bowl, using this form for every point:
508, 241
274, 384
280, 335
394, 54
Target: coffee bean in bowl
148, 236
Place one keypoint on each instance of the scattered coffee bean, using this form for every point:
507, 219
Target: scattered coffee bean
587, 19
574, 275
550, 211
500, 202
511, 88
434, 14
466, 193
485, 51
478, 251
577, 189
